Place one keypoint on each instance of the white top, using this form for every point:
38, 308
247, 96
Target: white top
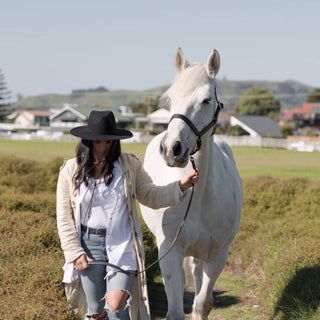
110, 211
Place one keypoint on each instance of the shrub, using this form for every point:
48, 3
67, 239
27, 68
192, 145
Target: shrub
236, 131
279, 239
29, 176
286, 131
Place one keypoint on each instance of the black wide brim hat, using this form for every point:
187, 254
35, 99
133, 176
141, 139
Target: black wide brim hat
101, 126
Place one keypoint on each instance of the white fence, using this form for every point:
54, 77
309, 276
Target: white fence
290, 144
233, 141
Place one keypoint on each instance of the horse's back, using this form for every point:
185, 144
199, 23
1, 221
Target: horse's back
224, 147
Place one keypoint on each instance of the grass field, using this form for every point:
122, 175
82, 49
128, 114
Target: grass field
251, 162
273, 270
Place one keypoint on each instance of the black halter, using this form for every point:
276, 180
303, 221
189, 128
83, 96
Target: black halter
212, 123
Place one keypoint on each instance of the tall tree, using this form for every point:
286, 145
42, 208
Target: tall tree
258, 101
314, 96
4, 98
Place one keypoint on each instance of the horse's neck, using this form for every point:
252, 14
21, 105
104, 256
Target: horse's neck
204, 162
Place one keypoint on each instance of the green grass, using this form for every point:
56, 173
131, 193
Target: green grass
47, 150
278, 163
251, 162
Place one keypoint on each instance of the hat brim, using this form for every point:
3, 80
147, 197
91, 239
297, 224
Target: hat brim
84, 133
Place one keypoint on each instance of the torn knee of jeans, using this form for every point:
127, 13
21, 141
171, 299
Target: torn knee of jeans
110, 305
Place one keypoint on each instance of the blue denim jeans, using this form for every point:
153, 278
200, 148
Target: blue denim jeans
95, 283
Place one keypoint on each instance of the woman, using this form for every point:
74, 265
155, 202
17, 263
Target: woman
98, 222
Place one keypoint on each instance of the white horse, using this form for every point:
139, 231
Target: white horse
215, 209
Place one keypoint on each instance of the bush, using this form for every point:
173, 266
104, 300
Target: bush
286, 131
279, 241
236, 131
29, 176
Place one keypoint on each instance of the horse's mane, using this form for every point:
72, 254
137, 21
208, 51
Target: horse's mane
185, 82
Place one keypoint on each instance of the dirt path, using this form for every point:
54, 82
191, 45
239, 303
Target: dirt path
234, 297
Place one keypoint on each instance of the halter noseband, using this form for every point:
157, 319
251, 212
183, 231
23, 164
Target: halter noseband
212, 123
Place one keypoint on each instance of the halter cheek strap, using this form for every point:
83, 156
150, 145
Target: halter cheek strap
212, 123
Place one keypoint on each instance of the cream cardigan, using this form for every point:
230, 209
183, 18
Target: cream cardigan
137, 186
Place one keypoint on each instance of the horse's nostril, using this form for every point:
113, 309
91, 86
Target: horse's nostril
161, 148
176, 149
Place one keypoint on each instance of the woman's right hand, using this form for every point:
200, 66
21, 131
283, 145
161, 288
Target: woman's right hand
81, 262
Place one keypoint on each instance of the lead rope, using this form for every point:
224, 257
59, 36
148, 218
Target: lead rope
171, 245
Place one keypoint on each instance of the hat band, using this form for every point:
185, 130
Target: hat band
101, 132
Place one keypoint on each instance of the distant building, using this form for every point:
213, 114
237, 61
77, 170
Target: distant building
155, 121
33, 118
225, 117
257, 125
126, 112
311, 114
292, 114
72, 115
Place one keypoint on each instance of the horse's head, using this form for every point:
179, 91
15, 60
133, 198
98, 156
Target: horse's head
192, 97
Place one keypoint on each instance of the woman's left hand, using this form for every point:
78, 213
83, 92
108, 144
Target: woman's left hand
189, 179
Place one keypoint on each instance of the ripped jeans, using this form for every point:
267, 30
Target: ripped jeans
95, 283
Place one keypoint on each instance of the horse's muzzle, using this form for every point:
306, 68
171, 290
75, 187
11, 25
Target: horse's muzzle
173, 156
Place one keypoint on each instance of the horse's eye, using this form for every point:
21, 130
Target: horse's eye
206, 101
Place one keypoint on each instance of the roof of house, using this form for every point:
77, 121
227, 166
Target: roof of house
161, 115
262, 125
85, 112
37, 113
288, 114
311, 107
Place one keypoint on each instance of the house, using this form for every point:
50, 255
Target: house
257, 125
159, 117
292, 114
30, 118
223, 121
155, 121
225, 117
311, 113
127, 112
73, 115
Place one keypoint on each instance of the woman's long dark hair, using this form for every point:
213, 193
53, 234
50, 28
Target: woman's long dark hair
86, 166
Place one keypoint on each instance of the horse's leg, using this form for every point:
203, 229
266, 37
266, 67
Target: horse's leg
196, 267
173, 278
203, 301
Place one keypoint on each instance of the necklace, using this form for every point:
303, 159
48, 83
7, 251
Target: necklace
99, 163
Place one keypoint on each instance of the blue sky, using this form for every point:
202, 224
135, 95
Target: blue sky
57, 46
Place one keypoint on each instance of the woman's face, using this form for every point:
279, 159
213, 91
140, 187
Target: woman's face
101, 147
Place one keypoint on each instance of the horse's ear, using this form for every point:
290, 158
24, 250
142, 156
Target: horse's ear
213, 64
181, 62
